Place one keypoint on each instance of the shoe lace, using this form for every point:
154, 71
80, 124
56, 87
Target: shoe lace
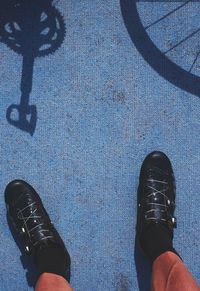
45, 233
157, 192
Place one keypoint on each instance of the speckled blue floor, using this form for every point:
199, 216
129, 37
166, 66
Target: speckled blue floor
105, 98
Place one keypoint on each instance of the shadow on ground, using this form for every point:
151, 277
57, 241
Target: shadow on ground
31, 28
173, 73
143, 269
26, 261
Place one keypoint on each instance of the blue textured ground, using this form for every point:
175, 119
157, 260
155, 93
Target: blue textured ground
101, 109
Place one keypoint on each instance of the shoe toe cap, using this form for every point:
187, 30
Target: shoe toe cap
157, 159
15, 189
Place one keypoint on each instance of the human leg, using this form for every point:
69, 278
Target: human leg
170, 274
52, 282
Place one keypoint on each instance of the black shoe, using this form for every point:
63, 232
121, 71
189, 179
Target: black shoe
156, 197
30, 219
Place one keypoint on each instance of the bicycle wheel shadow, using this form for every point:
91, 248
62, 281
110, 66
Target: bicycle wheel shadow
151, 54
32, 29
26, 261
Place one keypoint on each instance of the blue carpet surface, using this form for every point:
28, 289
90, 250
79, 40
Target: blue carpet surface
121, 81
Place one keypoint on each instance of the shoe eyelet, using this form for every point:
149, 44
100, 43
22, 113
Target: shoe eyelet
23, 230
168, 202
173, 219
27, 249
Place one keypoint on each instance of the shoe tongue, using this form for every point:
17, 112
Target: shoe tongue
156, 181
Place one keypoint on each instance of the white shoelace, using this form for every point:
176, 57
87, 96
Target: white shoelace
153, 194
25, 219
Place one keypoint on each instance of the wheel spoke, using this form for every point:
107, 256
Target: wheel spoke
180, 42
171, 12
194, 62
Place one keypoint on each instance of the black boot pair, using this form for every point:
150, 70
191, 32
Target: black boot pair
156, 204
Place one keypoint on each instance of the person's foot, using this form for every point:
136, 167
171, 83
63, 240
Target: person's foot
156, 204
33, 225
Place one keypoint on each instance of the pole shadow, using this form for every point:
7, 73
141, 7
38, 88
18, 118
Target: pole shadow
151, 54
31, 28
